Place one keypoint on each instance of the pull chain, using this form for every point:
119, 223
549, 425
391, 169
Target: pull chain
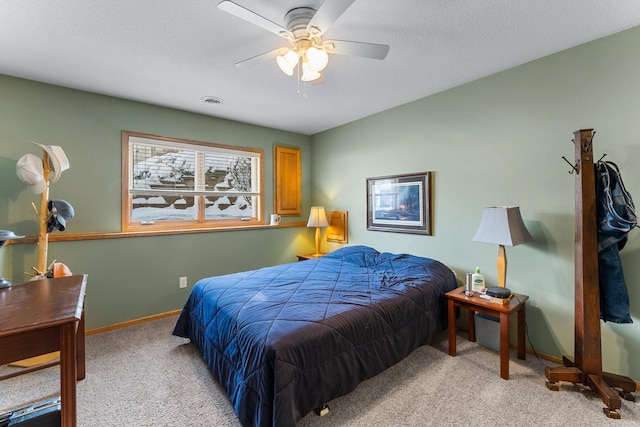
302, 94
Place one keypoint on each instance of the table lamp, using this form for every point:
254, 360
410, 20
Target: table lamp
502, 225
317, 219
4, 236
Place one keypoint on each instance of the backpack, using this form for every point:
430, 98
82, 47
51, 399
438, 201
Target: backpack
616, 212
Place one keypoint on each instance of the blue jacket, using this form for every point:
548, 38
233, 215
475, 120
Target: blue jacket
616, 216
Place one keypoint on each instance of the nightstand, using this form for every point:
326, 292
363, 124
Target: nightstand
457, 298
309, 256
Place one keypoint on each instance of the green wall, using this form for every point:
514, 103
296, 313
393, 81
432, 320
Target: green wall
135, 277
500, 141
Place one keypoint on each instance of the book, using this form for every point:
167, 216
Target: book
495, 300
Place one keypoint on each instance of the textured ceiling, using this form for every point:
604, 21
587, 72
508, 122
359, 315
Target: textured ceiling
172, 53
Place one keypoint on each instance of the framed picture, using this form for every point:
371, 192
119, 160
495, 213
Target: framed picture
400, 203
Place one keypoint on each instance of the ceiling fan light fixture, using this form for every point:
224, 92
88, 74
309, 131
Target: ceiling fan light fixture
317, 58
288, 62
309, 74
307, 54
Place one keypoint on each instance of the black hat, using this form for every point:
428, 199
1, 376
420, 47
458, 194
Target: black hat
61, 212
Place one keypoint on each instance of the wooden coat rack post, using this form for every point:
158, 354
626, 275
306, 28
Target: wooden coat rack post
43, 235
586, 368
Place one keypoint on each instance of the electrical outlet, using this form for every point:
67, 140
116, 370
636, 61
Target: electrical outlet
183, 282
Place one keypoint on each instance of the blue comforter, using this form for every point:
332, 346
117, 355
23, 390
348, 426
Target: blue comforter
285, 340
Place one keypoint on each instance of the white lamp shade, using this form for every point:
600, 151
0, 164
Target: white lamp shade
287, 62
308, 74
317, 217
502, 225
317, 58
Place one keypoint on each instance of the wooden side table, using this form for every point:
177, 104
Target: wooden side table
309, 256
457, 298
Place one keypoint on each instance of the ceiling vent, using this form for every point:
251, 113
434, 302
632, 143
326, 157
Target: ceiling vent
213, 100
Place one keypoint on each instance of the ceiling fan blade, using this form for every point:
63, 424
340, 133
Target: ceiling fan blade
263, 57
254, 18
365, 50
326, 15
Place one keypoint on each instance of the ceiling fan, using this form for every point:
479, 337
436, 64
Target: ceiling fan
304, 27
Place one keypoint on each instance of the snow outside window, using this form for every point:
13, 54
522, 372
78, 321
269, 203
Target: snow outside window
174, 183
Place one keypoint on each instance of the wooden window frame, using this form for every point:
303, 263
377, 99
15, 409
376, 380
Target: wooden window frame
200, 222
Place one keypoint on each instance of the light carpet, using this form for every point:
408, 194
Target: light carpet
144, 376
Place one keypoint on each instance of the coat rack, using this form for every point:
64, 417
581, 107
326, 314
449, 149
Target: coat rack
54, 162
586, 369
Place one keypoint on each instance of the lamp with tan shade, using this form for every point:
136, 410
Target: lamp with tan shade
502, 225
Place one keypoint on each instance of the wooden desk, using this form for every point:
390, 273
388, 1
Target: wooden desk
457, 298
43, 316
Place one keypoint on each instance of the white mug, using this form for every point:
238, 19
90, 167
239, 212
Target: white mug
275, 219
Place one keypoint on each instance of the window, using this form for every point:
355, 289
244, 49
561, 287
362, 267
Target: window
174, 183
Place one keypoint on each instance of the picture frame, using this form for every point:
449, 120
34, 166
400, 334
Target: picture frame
400, 203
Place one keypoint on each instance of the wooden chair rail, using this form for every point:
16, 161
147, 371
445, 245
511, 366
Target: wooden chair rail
125, 234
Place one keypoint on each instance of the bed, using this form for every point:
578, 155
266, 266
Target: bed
285, 340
